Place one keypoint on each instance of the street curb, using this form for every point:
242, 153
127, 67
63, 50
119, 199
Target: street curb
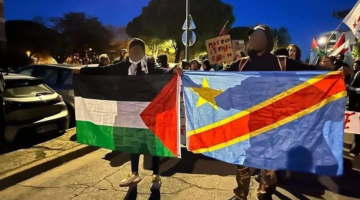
28, 171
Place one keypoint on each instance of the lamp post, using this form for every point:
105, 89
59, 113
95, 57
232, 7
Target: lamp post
187, 46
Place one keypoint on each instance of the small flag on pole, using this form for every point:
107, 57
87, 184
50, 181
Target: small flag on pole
353, 18
315, 47
223, 30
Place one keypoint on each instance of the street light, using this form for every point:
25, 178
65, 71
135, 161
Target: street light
322, 40
28, 53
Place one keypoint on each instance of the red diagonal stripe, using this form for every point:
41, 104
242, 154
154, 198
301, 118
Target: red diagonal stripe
270, 114
161, 116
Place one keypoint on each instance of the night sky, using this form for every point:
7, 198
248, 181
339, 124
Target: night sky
303, 18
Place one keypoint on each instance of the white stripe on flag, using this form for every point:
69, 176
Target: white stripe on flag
110, 113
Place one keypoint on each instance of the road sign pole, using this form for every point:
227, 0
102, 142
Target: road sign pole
187, 46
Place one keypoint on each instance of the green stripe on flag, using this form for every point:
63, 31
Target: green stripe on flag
132, 140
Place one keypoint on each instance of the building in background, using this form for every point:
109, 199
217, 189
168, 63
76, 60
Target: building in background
2, 27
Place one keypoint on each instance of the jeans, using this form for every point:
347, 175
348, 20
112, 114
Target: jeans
135, 163
267, 185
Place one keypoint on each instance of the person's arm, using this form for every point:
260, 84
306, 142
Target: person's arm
233, 67
293, 65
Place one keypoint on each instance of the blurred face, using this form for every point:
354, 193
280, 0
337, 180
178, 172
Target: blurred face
356, 67
326, 62
258, 41
292, 53
194, 66
123, 53
136, 53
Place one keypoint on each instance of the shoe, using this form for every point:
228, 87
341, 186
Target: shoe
156, 183
131, 178
353, 153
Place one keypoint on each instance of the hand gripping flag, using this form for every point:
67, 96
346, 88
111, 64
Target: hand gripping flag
134, 114
268, 120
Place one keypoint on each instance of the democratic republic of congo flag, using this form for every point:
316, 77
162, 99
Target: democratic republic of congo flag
269, 120
134, 114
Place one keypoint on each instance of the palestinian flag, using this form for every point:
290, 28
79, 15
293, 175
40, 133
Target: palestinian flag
134, 114
315, 47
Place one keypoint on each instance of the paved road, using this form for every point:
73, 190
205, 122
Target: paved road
97, 175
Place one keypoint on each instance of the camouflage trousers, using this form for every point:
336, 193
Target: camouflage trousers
267, 184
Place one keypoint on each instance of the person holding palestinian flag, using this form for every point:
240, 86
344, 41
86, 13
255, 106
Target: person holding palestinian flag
137, 64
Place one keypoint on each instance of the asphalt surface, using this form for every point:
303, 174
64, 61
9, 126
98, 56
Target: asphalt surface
97, 175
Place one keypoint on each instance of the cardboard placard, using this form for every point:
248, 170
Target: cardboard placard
238, 45
220, 49
352, 122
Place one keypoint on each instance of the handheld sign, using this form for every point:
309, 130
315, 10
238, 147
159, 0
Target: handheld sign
352, 122
220, 49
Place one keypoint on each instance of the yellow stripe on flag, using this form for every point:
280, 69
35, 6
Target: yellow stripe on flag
262, 104
276, 124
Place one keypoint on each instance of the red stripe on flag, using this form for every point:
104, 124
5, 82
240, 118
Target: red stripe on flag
162, 114
270, 114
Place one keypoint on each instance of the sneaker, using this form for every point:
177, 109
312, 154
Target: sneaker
353, 153
156, 182
131, 178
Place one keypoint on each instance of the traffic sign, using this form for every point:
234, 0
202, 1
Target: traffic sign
192, 38
192, 24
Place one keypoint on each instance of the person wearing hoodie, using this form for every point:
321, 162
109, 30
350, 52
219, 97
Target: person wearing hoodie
261, 44
354, 102
162, 61
136, 65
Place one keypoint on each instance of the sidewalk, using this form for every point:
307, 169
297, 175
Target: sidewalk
21, 164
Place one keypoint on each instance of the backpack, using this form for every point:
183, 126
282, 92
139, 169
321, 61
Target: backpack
281, 61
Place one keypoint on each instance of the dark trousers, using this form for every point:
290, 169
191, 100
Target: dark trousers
135, 163
267, 185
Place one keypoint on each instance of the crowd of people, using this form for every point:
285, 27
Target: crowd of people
260, 57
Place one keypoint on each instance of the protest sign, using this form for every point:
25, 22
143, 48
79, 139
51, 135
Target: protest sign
219, 49
238, 45
352, 122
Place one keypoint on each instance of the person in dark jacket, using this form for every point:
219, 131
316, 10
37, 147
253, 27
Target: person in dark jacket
137, 64
281, 52
162, 61
340, 61
354, 102
260, 59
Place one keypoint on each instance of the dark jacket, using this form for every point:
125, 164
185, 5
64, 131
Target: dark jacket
354, 84
339, 64
269, 62
122, 68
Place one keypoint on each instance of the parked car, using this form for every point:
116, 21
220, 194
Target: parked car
59, 77
32, 107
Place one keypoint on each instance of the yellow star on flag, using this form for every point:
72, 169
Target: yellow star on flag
206, 94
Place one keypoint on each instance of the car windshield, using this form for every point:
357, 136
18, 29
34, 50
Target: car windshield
26, 88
